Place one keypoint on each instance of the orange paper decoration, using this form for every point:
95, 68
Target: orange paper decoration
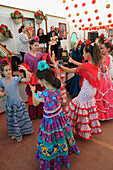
96, 10
64, 1
109, 21
75, 25
83, 29
108, 6
77, 14
100, 23
86, 12
91, 25
98, 28
83, 25
90, 28
69, 15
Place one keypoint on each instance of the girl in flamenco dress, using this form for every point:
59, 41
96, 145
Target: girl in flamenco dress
81, 111
55, 138
104, 95
72, 85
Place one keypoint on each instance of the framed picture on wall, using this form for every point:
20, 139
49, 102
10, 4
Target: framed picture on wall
63, 29
30, 25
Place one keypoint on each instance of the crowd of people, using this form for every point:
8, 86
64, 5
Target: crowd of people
46, 90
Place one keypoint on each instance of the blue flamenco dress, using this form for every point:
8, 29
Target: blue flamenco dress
17, 117
55, 138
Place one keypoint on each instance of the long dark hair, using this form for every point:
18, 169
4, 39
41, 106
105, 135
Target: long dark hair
95, 53
49, 76
39, 30
20, 29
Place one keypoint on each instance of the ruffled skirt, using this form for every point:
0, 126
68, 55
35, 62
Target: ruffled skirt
55, 143
83, 117
18, 121
63, 95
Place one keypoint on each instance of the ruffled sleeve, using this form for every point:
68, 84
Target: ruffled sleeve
39, 96
17, 79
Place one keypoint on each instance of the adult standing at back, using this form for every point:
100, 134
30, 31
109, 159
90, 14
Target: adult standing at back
23, 42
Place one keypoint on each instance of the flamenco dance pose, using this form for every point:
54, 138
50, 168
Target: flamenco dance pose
81, 111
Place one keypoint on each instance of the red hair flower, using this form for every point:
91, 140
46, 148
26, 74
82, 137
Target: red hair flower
87, 42
102, 36
80, 42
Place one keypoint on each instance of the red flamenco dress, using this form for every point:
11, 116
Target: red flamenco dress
104, 95
81, 111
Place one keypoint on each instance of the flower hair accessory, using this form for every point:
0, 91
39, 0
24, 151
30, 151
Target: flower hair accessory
36, 38
4, 59
42, 65
88, 42
102, 36
80, 42
106, 41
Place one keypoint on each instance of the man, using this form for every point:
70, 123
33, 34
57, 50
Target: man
54, 38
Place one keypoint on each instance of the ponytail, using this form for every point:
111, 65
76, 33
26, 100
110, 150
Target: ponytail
20, 29
49, 76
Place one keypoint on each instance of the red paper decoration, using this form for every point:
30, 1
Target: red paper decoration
109, 15
89, 19
80, 28
66, 7
94, 1
75, 5
97, 17
80, 20
73, 20
84, 4
111, 25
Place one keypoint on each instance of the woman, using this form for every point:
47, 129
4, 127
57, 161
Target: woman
40, 32
31, 60
23, 41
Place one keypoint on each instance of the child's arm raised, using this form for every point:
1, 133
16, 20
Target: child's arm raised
68, 70
35, 102
21, 67
74, 62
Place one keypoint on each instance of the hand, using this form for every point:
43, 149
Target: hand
70, 60
33, 88
21, 67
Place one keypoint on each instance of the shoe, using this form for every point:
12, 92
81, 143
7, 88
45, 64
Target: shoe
12, 137
19, 140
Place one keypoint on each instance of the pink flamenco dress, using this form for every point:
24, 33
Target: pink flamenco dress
81, 111
104, 95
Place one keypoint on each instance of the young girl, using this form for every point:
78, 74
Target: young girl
17, 118
104, 95
55, 139
81, 111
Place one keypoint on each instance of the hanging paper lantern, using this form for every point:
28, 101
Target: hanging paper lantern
89, 19
80, 20
109, 15
83, 25
86, 12
77, 14
75, 25
96, 10
103, 27
64, 1
107, 26
75, 5
90, 28
100, 23
94, 1
109, 21
73, 20
98, 28
80, 28
66, 7
72, 0
91, 25
69, 15
111, 25
108, 6
97, 18
84, 4
83, 29
86, 28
